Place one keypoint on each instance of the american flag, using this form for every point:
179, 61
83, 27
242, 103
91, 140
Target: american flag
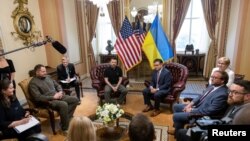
139, 33
127, 46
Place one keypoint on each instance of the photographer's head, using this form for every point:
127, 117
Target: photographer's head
239, 92
141, 129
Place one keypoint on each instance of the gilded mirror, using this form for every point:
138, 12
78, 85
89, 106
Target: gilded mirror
23, 22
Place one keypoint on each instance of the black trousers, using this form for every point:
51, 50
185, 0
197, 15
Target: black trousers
72, 84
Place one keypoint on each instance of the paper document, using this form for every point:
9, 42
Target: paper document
71, 79
32, 122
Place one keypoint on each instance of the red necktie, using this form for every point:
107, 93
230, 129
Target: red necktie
205, 95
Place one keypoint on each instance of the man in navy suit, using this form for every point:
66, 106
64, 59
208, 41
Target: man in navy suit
212, 102
67, 76
158, 89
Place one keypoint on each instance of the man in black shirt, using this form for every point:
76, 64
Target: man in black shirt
113, 79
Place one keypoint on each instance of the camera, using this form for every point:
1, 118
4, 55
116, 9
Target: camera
204, 136
200, 132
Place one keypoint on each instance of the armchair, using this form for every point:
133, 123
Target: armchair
238, 77
98, 83
43, 110
180, 74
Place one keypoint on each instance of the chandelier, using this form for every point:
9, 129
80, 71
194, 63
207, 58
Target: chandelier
100, 3
152, 11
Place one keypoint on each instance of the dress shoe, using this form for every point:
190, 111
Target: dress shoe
64, 132
171, 132
155, 113
148, 108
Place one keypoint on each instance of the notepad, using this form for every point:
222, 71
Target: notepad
71, 79
32, 122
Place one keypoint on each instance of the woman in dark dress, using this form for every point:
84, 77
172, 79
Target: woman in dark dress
12, 113
7, 69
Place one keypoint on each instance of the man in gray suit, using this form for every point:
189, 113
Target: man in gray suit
212, 102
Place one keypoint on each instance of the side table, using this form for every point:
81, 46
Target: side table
194, 62
115, 133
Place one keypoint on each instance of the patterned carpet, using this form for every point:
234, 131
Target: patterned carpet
160, 131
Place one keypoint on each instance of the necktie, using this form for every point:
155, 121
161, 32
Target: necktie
230, 115
205, 95
67, 71
157, 80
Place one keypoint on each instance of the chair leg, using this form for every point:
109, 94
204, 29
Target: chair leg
125, 100
80, 85
100, 101
171, 107
52, 121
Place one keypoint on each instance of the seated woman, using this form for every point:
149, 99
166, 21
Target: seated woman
13, 114
81, 129
223, 65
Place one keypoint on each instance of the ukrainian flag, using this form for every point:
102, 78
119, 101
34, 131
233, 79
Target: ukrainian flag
156, 44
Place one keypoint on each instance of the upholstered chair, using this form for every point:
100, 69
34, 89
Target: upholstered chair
180, 75
98, 83
43, 110
238, 77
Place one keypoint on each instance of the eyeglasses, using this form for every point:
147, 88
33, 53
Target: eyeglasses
236, 93
222, 63
213, 77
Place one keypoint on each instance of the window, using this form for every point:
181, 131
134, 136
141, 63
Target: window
104, 32
193, 30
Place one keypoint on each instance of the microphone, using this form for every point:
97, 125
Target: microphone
58, 46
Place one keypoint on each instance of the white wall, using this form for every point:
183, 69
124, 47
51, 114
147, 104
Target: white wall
71, 30
233, 32
20, 58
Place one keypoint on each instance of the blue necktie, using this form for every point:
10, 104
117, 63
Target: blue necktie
205, 95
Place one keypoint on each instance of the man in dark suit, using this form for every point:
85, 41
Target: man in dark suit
67, 76
212, 102
159, 87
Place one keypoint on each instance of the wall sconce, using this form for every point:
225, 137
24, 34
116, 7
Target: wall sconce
133, 12
24, 24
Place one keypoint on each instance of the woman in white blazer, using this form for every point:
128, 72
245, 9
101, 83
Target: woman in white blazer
223, 65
